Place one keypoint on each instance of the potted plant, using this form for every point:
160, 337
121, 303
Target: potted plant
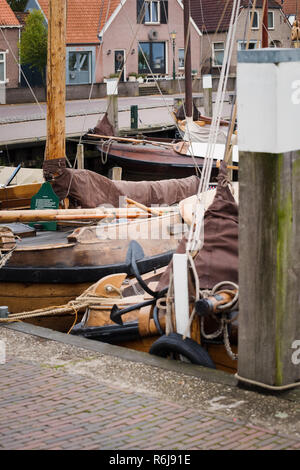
141, 78
132, 76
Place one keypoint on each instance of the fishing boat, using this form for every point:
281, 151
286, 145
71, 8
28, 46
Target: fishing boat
46, 264
130, 309
156, 160
192, 312
143, 315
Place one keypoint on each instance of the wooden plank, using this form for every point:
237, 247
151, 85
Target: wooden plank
269, 274
22, 191
22, 297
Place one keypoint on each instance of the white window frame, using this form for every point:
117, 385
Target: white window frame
3, 61
270, 12
218, 50
251, 41
158, 11
256, 12
181, 67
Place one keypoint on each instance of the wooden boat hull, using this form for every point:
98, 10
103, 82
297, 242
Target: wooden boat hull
141, 162
22, 297
139, 329
80, 274
40, 273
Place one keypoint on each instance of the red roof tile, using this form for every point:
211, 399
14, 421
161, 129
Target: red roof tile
291, 7
211, 16
85, 18
7, 16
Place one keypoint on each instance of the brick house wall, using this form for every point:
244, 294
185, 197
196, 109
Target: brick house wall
9, 45
280, 34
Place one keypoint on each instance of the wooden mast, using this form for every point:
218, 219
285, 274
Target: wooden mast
56, 81
265, 35
187, 61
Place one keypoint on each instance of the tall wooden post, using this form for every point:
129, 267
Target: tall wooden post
56, 81
265, 24
187, 60
112, 104
268, 97
207, 94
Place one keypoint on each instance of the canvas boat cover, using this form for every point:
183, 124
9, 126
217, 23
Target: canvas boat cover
24, 175
217, 261
89, 189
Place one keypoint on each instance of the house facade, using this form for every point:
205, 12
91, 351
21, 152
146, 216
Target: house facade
9, 52
152, 40
213, 21
123, 37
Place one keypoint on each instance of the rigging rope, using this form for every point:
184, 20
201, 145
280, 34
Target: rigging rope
23, 74
195, 238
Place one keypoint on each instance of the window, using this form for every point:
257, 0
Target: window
2, 68
255, 24
181, 58
218, 53
270, 19
80, 65
152, 11
253, 44
152, 57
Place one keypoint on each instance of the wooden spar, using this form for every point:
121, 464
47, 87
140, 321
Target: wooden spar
142, 206
129, 140
265, 35
56, 83
69, 214
187, 60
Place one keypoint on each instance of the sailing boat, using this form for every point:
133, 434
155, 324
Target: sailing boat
157, 158
206, 318
58, 264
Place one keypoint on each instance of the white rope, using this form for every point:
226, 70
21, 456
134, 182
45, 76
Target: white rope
195, 238
266, 386
94, 77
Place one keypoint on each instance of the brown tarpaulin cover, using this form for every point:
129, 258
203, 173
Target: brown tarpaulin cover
90, 189
217, 261
103, 127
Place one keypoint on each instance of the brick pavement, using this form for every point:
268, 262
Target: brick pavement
48, 408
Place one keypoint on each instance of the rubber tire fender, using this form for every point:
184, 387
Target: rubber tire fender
174, 343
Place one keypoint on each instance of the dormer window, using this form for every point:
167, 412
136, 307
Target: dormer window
152, 11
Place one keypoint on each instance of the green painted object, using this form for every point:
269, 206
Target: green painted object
45, 198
